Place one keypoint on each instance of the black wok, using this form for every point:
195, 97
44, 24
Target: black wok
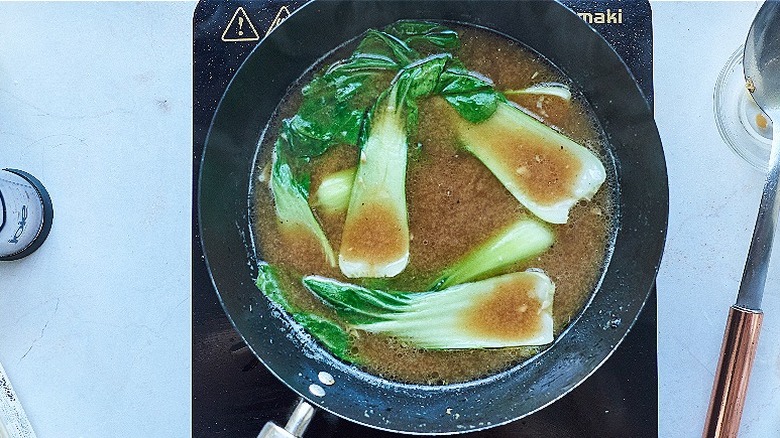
295, 358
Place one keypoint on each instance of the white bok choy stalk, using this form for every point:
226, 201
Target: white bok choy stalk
332, 111
542, 168
519, 241
375, 239
505, 311
332, 196
553, 89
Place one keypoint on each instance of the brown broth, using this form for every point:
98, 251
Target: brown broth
454, 203
515, 302
544, 171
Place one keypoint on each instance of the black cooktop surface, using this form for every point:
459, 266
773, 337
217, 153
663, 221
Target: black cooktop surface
234, 395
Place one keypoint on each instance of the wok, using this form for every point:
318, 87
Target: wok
294, 357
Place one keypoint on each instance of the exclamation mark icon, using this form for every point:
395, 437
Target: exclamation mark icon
240, 28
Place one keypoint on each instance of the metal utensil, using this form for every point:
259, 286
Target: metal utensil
762, 72
296, 424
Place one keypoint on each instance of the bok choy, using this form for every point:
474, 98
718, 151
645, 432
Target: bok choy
553, 89
292, 207
334, 108
332, 196
375, 239
334, 103
510, 310
330, 334
472, 96
524, 239
542, 168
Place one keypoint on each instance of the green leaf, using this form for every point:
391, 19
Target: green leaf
334, 103
268, 283
356, 304
322, 120
423, 35
416, 81
385, 45
421, 78
330, 334
472, 96
475, 107
351, 77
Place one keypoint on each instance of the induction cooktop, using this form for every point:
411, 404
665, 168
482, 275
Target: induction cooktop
234, 395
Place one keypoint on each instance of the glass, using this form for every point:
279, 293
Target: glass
741, 123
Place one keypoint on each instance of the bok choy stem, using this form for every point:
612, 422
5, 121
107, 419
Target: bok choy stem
546, 171
519, 241
292, 207
375, 239
510, 310
332, 196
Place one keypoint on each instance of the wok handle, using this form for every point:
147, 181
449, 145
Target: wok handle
731, 378
296, 425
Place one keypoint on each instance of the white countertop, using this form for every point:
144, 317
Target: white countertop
95, 328
95, 101
714, 199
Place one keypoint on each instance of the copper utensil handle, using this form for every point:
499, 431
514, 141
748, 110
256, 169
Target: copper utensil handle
731, 378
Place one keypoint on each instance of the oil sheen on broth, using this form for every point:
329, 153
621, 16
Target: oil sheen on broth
454, 203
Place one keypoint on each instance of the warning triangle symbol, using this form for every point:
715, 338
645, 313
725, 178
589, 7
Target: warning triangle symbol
280, 16
240, 28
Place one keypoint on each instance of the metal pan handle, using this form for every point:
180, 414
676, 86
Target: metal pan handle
296, 425
731, 378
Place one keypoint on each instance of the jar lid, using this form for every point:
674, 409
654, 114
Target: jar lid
48, 217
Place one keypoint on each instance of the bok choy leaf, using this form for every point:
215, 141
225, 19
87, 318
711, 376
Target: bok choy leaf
422, 35
334, 110
335, 102
333, 336
510, 310
542, 168
472, 96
